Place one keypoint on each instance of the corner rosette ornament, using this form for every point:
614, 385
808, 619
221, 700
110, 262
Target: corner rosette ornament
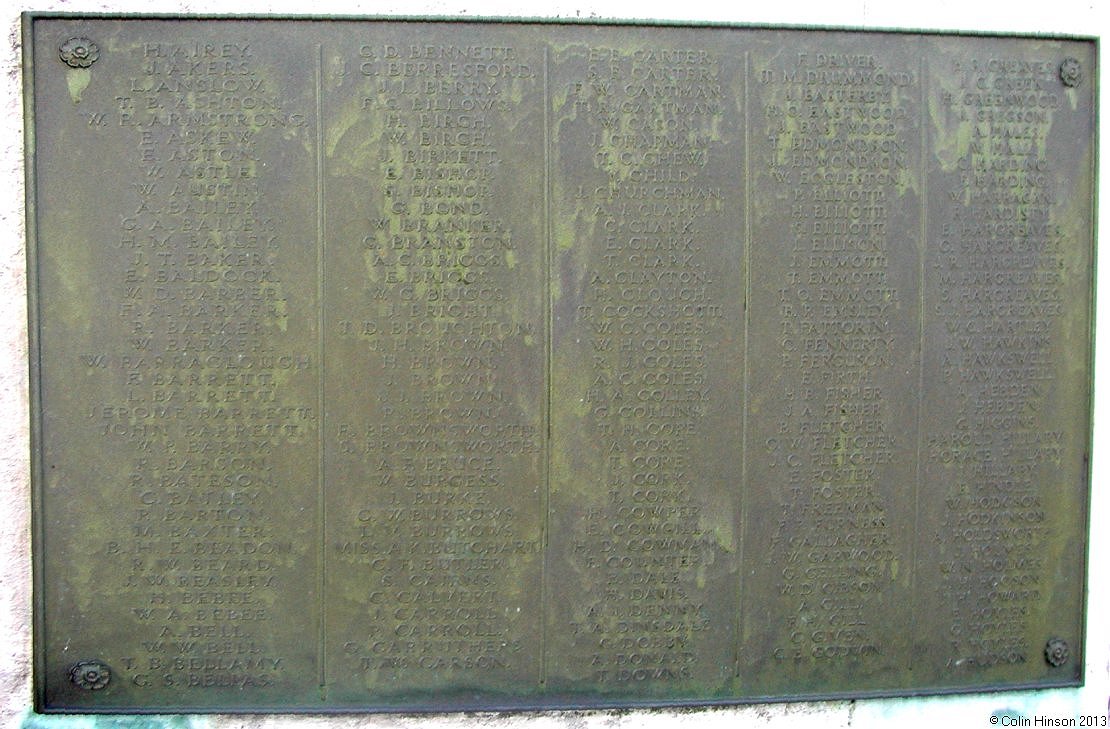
1056, 652
90, 675
79, 52
1071, 73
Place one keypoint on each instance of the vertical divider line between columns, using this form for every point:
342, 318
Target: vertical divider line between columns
321, 515
739, 627
548, 272
922, 101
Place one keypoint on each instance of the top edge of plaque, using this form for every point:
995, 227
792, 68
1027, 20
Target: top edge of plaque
33, 15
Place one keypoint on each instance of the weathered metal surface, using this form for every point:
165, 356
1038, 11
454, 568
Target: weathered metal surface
385, 365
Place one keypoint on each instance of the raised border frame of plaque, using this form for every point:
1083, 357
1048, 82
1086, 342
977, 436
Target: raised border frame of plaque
406, 364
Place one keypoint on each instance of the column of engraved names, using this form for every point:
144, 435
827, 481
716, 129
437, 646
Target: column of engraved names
440, 450
215, 374
997, 273
648, 521
835, 235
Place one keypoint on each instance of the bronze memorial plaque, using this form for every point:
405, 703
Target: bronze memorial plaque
409, 365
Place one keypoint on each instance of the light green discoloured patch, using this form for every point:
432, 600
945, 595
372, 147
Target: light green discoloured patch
952, 138
32, 720
340, 122
77, 80
723, 534
908, 179
1073, 98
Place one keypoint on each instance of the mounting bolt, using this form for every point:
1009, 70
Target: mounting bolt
90, 675
1071, 73
79, 52
1056, 652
